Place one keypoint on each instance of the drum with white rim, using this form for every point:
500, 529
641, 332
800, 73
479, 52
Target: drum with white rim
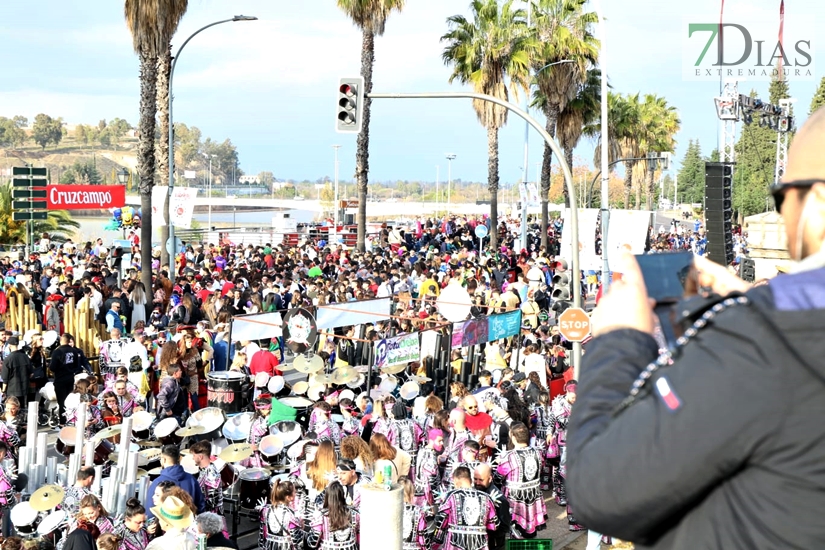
302, 405
142, 425
254, 487
24, 518
48, 528
165, 431
225, 390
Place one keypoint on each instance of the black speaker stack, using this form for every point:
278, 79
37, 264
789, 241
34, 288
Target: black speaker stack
719, 211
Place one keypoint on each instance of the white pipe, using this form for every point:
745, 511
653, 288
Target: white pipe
605, 204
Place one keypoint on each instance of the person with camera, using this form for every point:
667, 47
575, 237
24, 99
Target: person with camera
720, 442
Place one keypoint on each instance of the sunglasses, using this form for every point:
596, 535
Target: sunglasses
778, 189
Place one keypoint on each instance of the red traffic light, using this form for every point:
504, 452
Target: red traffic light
347, 89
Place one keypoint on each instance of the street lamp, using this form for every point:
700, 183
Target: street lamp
209, 188
171, 124
450, 158
123, 176
527, 149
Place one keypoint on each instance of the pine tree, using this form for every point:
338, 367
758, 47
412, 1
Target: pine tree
692, 174
819, 97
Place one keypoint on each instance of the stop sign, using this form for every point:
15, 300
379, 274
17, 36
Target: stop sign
574, 324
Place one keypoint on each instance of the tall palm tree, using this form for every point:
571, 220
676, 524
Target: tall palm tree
55, 224
578, 116
629, 109
143, 17
564, 31
659, 125
485, 51
172, 11
619, 128
371, 17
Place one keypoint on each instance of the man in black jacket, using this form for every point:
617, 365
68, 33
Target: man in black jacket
721, 443
16, 372
65, 364
483, 481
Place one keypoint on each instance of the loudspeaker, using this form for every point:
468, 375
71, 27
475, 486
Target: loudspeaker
719, 211
747, 270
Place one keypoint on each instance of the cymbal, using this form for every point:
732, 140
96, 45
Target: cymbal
190, 431
394, 369
141, 472
308, 366
236, 453
420, 379
47, 497
149, 443
320, 380
109, 432
150, 454
283, 367
342, 375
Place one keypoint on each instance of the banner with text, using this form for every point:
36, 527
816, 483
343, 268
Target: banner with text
486, 329
85, 197
400, 349
504, 325
182, 206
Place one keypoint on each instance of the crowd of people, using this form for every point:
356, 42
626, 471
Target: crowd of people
475, 470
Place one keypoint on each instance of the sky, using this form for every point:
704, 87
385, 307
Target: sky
271, 85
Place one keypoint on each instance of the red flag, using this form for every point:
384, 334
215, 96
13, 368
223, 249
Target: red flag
781, 31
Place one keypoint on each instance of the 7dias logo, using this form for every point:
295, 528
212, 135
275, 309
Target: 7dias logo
751, 47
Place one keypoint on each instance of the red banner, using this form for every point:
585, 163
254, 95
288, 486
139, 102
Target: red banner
85, 197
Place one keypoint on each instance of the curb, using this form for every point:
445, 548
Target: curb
569, 539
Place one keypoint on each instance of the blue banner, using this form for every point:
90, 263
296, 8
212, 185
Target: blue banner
504, 325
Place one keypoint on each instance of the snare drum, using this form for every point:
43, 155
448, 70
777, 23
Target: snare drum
165, 431
66, 440
51, 524
302, 405
141, 425
229, 473
103, 450
24, 518
254, 487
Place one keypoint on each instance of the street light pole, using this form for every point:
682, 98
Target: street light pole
605, 204
450, 158
524, 172
437, 169
171, 137
335, 193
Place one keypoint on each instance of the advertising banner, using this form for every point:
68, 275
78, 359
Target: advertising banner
504, 325
470, 333
84, 197
400, 349
182, 206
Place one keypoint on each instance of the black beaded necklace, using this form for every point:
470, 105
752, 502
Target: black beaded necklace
666, 357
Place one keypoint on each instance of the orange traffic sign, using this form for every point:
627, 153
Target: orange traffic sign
574, 324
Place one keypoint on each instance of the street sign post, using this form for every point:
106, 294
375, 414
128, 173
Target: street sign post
29, 183
574, 324
25, 216
481, 232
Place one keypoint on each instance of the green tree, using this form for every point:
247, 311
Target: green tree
755, 168
691, 176
225, 158
116, 129
56, 223
819, 97
714, 156
487, 51
371, 17
82, 172
187, 144
11, 135
20, 121
47, 130
659, 123
266, 178
563, 31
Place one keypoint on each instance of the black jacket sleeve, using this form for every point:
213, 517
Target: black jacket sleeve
635, 474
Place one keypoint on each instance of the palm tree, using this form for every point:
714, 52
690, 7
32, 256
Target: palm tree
371, 17
144, 19
578, 117
563, 29
619, 128
485, 51
172, 11
56, 222
659, 125
629, 110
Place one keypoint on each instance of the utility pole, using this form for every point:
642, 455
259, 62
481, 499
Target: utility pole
450, 158
437, 174
335, 206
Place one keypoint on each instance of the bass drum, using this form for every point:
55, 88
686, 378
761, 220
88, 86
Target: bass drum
225, 391
302, 405
254, 487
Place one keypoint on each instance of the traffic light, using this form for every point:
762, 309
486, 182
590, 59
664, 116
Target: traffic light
562, 282
350, 105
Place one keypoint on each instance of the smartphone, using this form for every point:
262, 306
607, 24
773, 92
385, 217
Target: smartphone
669, 276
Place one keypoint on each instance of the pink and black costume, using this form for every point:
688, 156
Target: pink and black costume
131, 540
520, 468
321, 535
280, 529
463, 521
427, 480
211, 485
